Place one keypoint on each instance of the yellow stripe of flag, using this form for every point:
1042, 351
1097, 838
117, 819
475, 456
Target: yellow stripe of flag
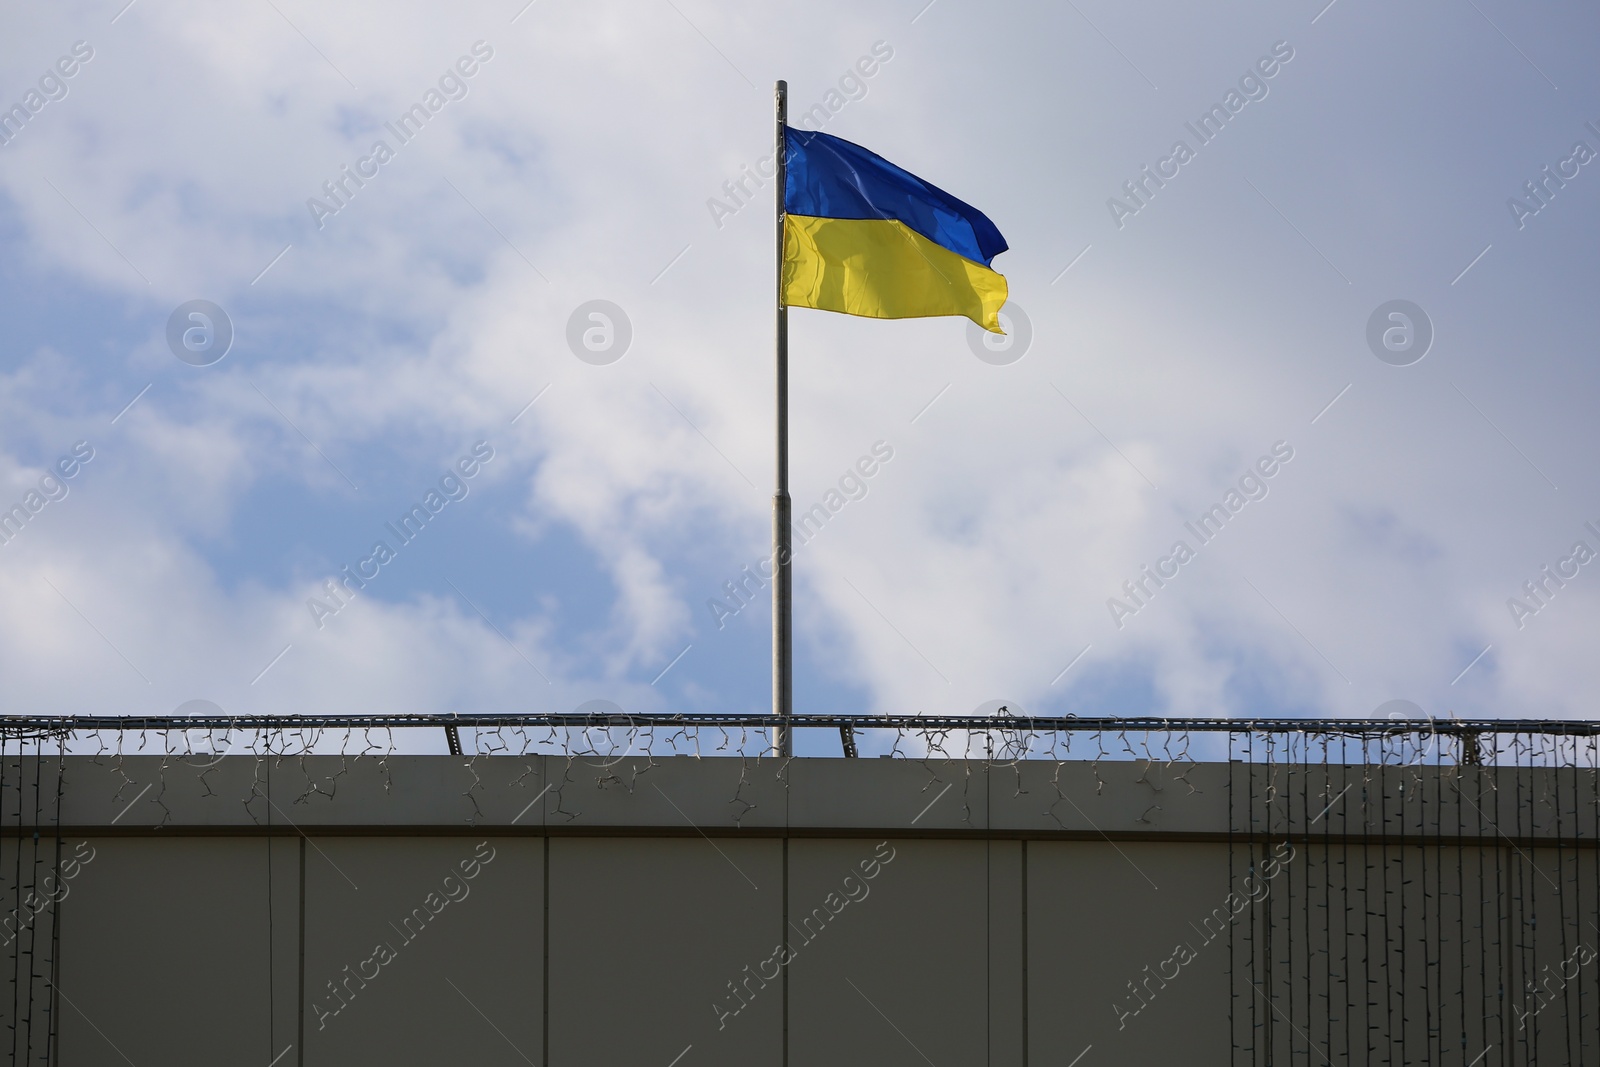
883, 269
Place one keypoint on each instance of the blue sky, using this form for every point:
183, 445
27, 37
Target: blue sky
1172, 347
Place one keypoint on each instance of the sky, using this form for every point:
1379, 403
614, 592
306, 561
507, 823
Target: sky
1370, 275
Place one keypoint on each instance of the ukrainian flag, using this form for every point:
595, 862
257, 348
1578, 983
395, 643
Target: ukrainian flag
862, 236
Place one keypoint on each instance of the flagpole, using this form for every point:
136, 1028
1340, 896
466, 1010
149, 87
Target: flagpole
782, 578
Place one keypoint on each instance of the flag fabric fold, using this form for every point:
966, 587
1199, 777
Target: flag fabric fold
863, 236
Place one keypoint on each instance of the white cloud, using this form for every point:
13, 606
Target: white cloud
416, 321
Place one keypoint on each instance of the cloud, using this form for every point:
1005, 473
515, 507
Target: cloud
432, 308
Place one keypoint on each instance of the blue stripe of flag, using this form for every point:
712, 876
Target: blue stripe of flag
831, 178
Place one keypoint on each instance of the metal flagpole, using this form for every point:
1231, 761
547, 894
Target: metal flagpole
782, 578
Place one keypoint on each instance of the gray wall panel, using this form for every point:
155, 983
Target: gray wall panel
1098, 915
461, 980
30, 892
650, 938
900, 977
1006, 964
164, 953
